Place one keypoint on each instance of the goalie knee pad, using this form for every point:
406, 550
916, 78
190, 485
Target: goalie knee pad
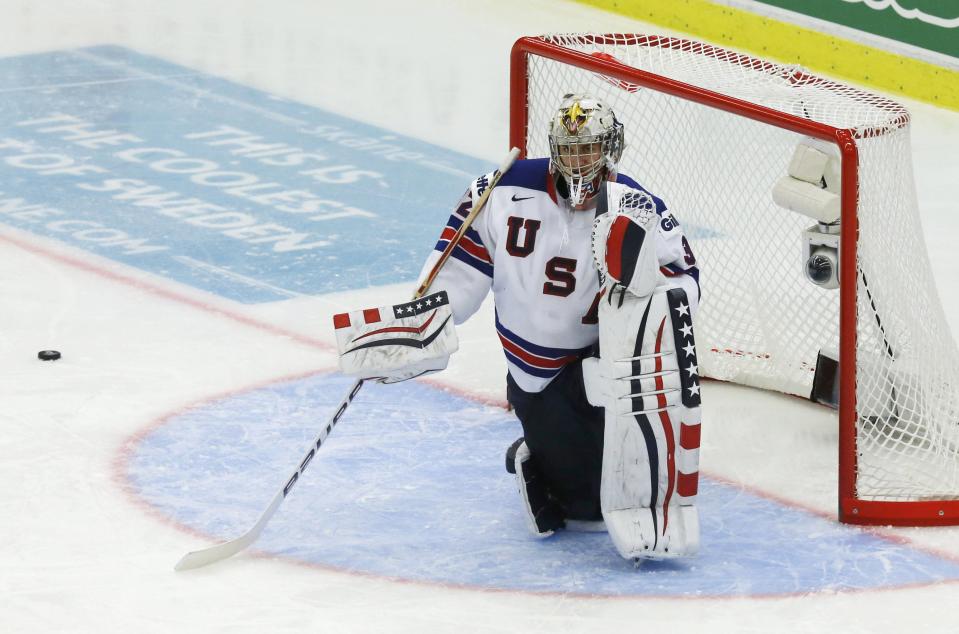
543, 515
647, 379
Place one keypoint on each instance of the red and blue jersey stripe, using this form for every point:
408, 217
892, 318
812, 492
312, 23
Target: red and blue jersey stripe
470, 249
533, 359
674, 270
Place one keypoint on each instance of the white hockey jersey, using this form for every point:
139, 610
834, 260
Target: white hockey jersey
536, 256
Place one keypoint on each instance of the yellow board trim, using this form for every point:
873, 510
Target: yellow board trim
792, 44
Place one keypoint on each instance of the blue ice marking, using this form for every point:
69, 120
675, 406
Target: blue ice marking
411, 485
214, 184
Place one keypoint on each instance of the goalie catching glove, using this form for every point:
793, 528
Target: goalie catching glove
396, 343
624, 244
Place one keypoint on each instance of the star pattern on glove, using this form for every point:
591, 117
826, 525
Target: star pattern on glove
421, 305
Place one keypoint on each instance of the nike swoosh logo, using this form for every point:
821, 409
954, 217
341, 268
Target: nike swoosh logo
516, 200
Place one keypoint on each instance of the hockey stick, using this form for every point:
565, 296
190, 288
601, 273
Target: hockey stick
213, 554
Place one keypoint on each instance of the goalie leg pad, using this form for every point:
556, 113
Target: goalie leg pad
647, 378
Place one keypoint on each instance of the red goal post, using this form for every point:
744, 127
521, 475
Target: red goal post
692, 108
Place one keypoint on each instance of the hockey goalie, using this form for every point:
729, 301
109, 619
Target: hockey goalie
595, 288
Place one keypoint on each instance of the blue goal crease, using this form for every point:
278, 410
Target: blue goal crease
412, 486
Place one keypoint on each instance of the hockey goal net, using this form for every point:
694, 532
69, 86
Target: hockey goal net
711, 132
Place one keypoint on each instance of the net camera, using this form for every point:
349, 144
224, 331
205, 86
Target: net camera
821, 255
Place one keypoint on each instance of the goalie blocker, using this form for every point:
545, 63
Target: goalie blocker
399, 342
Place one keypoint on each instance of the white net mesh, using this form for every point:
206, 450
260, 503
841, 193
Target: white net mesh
761, 322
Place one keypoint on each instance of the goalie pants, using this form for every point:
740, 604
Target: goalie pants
564, 434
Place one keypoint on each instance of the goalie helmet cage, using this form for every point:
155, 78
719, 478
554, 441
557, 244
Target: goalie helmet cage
711, 131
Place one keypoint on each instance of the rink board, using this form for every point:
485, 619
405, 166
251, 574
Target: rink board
411, 486
213, 184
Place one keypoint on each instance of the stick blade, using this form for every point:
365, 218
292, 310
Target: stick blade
213, 554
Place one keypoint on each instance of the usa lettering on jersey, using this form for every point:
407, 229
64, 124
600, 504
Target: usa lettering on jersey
535, 255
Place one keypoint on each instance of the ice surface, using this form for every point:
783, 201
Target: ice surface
176, 412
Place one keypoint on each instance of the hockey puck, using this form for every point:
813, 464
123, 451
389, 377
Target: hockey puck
48, 355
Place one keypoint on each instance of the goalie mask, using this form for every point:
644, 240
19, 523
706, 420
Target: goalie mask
585, 144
